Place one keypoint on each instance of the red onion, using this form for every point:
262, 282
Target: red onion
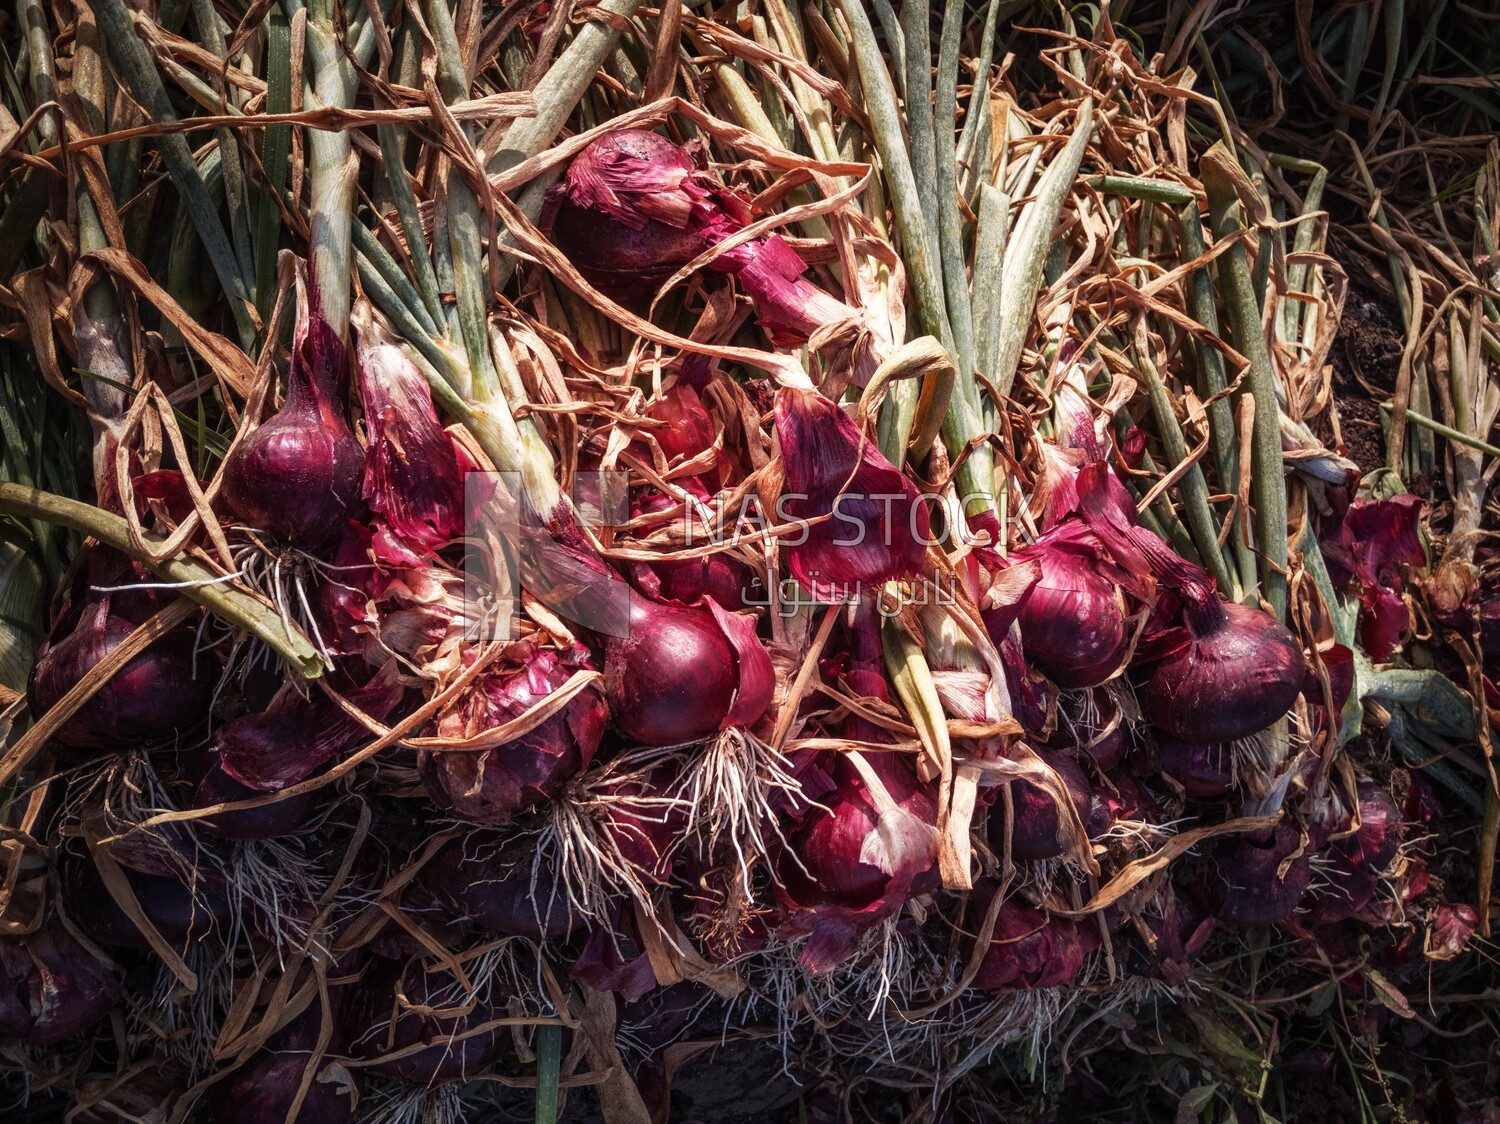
389, 1013
1244, 888
1030, 948
292, 741
634, 209
51, 987
412, 477
856, 860
270, 821
688, 432
1099, 728
158, 693
493, 785
1204, 770
672, 674
614, 959
1234, 670
478, 878
879, 528
682, 674
641, 825
1036, 833
1239, 671
686, 581
181, 912
263, 1090
1354, 863
298, 473
1073, 622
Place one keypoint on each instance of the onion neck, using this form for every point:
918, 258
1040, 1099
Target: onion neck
334, 169
1203, 608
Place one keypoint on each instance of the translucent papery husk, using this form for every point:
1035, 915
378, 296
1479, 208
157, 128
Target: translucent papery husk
864, 522
490, 786
53, 988
297, 737
412, 478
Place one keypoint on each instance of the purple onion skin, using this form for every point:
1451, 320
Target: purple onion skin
1359, 859
177, 913
263, 1089
377, 1010
828, 844
1106, 749
828, 847
1241, 671
1035, 835
491, 787
1205, 771
51, 988
620, 262
153, 697
1242, 886
271, 821
473, 879
1030, 949
646, 840
865, 521
1073, 624
673, 678
298, 474
620, 250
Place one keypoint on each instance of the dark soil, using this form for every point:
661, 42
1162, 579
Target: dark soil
1366, 362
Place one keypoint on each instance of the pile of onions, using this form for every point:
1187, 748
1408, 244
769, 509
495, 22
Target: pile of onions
758, 771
